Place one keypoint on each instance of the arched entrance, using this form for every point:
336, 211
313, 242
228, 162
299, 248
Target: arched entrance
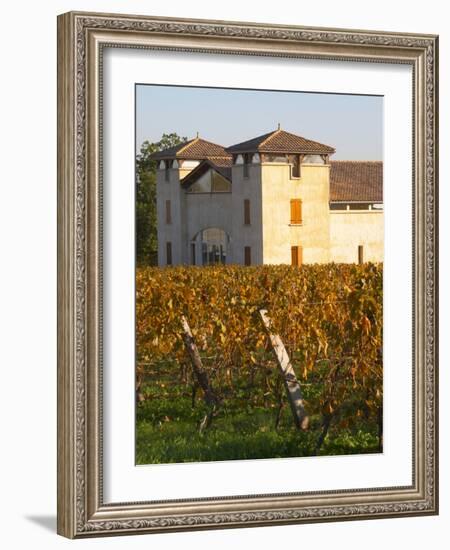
210, 247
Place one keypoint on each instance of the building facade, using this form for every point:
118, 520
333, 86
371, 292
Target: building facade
274, 199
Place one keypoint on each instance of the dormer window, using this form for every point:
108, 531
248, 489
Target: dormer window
210, 182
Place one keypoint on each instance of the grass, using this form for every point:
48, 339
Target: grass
167, 431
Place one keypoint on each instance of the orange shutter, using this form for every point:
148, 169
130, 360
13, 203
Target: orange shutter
296, 211
296, 255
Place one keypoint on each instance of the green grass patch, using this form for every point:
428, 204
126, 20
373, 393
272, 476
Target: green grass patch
167, 431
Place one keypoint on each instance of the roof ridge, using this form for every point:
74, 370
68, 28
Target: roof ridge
307, 139
189, 142
269, 137
265, 135
295, 136
280, 140
207, 141
197, 139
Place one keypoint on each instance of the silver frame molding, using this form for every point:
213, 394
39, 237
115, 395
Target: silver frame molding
81, 39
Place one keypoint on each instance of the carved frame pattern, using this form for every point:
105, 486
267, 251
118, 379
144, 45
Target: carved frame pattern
81, 511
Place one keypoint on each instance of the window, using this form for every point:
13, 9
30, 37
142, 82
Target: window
168, 253
247, 160
210, 182
193, 254
246, 211
213, 243
296, 255
247, 255
166, 173
219, 184
168, 212
295, 168
296, 211
360, 254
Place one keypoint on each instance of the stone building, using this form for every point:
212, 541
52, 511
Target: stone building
274, 199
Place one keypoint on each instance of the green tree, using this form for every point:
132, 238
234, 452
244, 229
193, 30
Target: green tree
146, 237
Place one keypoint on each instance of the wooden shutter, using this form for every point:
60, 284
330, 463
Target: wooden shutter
246, 211
193, 253
296, 211
168, 212
169, 253
296, 255
247, 255
360, 254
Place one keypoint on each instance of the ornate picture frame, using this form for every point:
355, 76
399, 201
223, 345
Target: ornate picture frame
82, 38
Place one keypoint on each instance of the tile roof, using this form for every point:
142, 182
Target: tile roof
221, 161
280, 141
195, 149
356, 181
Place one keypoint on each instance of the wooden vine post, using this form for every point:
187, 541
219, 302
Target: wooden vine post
200, 374
291, 384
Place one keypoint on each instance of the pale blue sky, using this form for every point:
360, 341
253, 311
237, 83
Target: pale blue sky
350, 123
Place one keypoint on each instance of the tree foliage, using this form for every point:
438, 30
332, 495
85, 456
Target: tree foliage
146, 237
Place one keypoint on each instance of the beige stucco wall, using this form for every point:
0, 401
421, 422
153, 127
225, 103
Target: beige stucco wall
175, 231
207, 210
278, 234
351, 228
246, 235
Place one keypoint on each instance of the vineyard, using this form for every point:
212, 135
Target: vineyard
329, 318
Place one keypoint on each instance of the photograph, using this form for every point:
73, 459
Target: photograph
259, 248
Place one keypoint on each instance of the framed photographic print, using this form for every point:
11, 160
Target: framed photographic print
247, 277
